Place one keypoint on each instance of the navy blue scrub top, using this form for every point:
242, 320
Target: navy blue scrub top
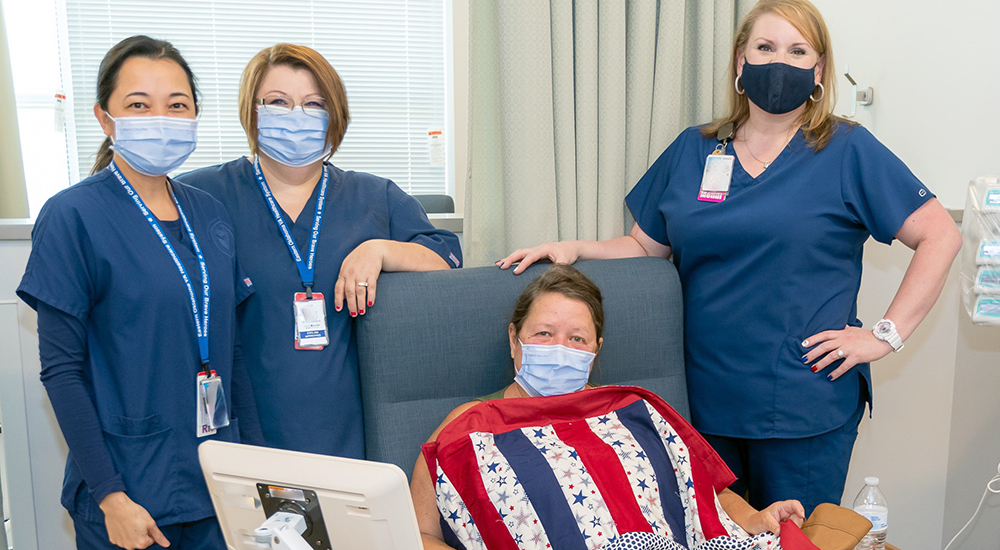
95, 257
774, 263
310, 400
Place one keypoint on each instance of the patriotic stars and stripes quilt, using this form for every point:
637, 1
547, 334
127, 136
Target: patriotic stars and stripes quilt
611, 468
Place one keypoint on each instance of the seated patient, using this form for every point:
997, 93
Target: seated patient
548, 462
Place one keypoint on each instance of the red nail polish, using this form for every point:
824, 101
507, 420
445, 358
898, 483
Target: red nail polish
815, 369
362, 312
353, 314
370, 304
338, 308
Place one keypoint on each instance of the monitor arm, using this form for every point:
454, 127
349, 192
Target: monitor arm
282, 531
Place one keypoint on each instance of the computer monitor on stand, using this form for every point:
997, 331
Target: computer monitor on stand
284, 500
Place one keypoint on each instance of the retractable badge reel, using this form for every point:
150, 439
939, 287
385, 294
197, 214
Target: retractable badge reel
311, 331
718, 172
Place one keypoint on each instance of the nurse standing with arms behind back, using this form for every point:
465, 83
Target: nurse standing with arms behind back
314, 238
136, 283
770, 255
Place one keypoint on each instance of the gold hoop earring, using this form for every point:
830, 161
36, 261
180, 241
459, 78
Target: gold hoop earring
736, 84
822, 92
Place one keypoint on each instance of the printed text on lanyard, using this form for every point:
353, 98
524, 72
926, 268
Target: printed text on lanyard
200, 321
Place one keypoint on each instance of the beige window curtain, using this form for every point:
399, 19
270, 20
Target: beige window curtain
571, 101
13, 195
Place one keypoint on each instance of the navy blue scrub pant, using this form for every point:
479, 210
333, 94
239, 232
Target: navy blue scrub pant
203, 534
812, 470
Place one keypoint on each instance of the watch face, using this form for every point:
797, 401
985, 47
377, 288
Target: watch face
883, 328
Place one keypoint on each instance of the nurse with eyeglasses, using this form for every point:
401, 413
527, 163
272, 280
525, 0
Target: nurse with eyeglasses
314, 239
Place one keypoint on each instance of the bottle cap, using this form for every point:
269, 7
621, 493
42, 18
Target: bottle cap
871, 480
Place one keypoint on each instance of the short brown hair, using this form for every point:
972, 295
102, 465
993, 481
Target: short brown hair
818, 121
566, 280
297, 57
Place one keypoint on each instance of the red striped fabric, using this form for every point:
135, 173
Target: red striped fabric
462, 469
704, 495
604, 467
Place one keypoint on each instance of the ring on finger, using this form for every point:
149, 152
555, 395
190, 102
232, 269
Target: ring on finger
363, 283
840, 353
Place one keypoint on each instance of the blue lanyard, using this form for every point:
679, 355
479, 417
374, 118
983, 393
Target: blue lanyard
306, 271
200, 322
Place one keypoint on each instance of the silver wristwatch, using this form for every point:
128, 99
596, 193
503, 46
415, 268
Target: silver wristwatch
885, 330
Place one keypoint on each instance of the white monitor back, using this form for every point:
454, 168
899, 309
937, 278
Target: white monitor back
364, 504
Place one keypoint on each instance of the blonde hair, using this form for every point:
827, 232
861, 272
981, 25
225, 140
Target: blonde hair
818, 121
297, 57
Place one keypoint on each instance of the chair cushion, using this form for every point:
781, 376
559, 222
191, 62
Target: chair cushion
433, 341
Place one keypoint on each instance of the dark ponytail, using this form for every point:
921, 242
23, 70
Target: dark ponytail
107, 78
104, 156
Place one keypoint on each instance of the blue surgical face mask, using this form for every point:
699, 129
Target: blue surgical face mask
777, 88
154, 145
553, 370
294, 138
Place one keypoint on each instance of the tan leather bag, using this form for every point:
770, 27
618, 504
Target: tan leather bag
833, 527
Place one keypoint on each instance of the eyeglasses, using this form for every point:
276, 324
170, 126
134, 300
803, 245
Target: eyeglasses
278, 104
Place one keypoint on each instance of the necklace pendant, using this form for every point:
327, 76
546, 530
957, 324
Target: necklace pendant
766, 165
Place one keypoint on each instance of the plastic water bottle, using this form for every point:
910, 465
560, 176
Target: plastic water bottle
871, 504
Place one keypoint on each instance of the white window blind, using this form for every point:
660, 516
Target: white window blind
389, 53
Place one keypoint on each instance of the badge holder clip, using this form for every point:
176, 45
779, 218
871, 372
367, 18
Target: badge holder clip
213, 411
309, 312
718, 173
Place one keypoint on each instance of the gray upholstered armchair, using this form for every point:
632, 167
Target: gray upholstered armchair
436, 340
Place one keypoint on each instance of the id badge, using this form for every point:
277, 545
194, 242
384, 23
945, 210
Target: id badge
716, 178
310, 322
213, 411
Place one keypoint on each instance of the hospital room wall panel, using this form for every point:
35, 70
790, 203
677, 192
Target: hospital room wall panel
974, 444
936, 78
904, 443
34, 449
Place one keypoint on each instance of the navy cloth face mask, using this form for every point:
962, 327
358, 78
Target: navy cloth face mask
778, 88
154, 145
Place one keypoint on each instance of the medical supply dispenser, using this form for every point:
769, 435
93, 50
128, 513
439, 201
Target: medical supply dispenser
981, 251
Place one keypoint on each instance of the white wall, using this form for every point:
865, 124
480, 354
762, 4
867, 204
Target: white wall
936, 77
974, 444
912, 401
34, 449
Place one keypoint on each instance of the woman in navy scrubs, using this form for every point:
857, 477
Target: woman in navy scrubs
136, 284
314, 239
770, 259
